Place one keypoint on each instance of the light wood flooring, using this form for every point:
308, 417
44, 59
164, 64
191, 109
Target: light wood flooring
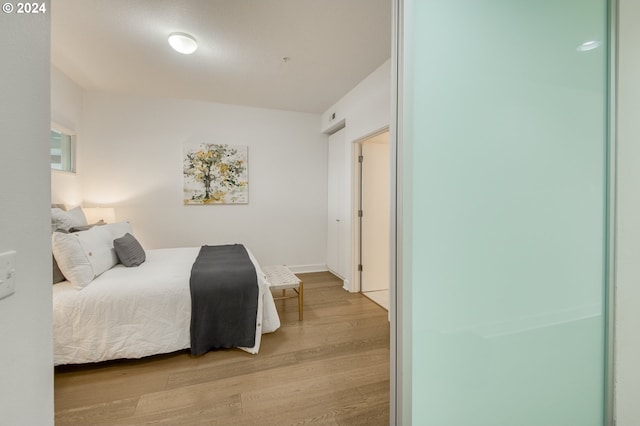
381, 297
330, 369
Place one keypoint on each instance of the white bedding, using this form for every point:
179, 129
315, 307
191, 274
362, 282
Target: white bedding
137, 312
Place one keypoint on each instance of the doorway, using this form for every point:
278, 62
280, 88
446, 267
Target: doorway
374, 219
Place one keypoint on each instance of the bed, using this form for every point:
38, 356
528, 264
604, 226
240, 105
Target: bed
134, 312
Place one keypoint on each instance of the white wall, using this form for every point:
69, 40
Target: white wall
628, 218
66, 111
26, 348
366, 109
131, 158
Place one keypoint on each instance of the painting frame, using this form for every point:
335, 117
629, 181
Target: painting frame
215, 174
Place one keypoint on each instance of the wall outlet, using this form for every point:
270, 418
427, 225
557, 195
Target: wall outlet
7, 273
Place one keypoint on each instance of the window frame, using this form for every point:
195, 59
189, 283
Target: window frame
55, 127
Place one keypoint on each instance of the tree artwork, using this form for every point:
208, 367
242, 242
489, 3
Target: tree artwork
215, 174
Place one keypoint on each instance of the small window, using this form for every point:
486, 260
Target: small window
62, 148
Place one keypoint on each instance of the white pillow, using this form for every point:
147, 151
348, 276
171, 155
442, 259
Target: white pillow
118, 229
66, 220
82, 256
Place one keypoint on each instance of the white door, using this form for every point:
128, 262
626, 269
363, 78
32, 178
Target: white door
375, 214
335, 204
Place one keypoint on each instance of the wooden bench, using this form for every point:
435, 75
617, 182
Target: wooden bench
280, 277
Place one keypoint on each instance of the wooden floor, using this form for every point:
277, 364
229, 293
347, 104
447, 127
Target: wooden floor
330, 369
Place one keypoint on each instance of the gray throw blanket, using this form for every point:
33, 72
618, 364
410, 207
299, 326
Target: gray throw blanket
224, 299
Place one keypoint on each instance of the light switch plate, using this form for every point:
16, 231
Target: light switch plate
7, 273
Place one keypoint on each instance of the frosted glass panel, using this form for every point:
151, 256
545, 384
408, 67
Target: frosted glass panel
505, 143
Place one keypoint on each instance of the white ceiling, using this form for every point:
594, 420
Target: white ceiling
121, 46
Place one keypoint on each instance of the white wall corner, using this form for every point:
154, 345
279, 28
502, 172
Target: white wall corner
26, 332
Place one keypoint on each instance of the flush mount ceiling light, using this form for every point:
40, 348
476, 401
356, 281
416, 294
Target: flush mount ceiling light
183, 43
588, 45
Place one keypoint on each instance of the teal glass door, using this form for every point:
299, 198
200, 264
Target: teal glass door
504, 219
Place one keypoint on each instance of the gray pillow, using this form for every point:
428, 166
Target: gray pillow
129, 250
57, 273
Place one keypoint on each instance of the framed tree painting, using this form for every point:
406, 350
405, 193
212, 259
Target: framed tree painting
215, 174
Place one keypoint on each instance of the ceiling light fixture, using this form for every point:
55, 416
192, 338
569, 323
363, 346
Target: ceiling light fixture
183, 43
588, 45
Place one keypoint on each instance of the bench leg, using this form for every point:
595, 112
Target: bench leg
300, 300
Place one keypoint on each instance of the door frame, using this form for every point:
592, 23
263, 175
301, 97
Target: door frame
356, 203
610, 217
360, 199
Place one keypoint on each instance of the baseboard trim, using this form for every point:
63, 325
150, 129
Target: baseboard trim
302, 269
347, 286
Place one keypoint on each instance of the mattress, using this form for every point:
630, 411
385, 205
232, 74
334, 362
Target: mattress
139, 311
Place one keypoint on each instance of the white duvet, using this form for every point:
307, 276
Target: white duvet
137, 312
